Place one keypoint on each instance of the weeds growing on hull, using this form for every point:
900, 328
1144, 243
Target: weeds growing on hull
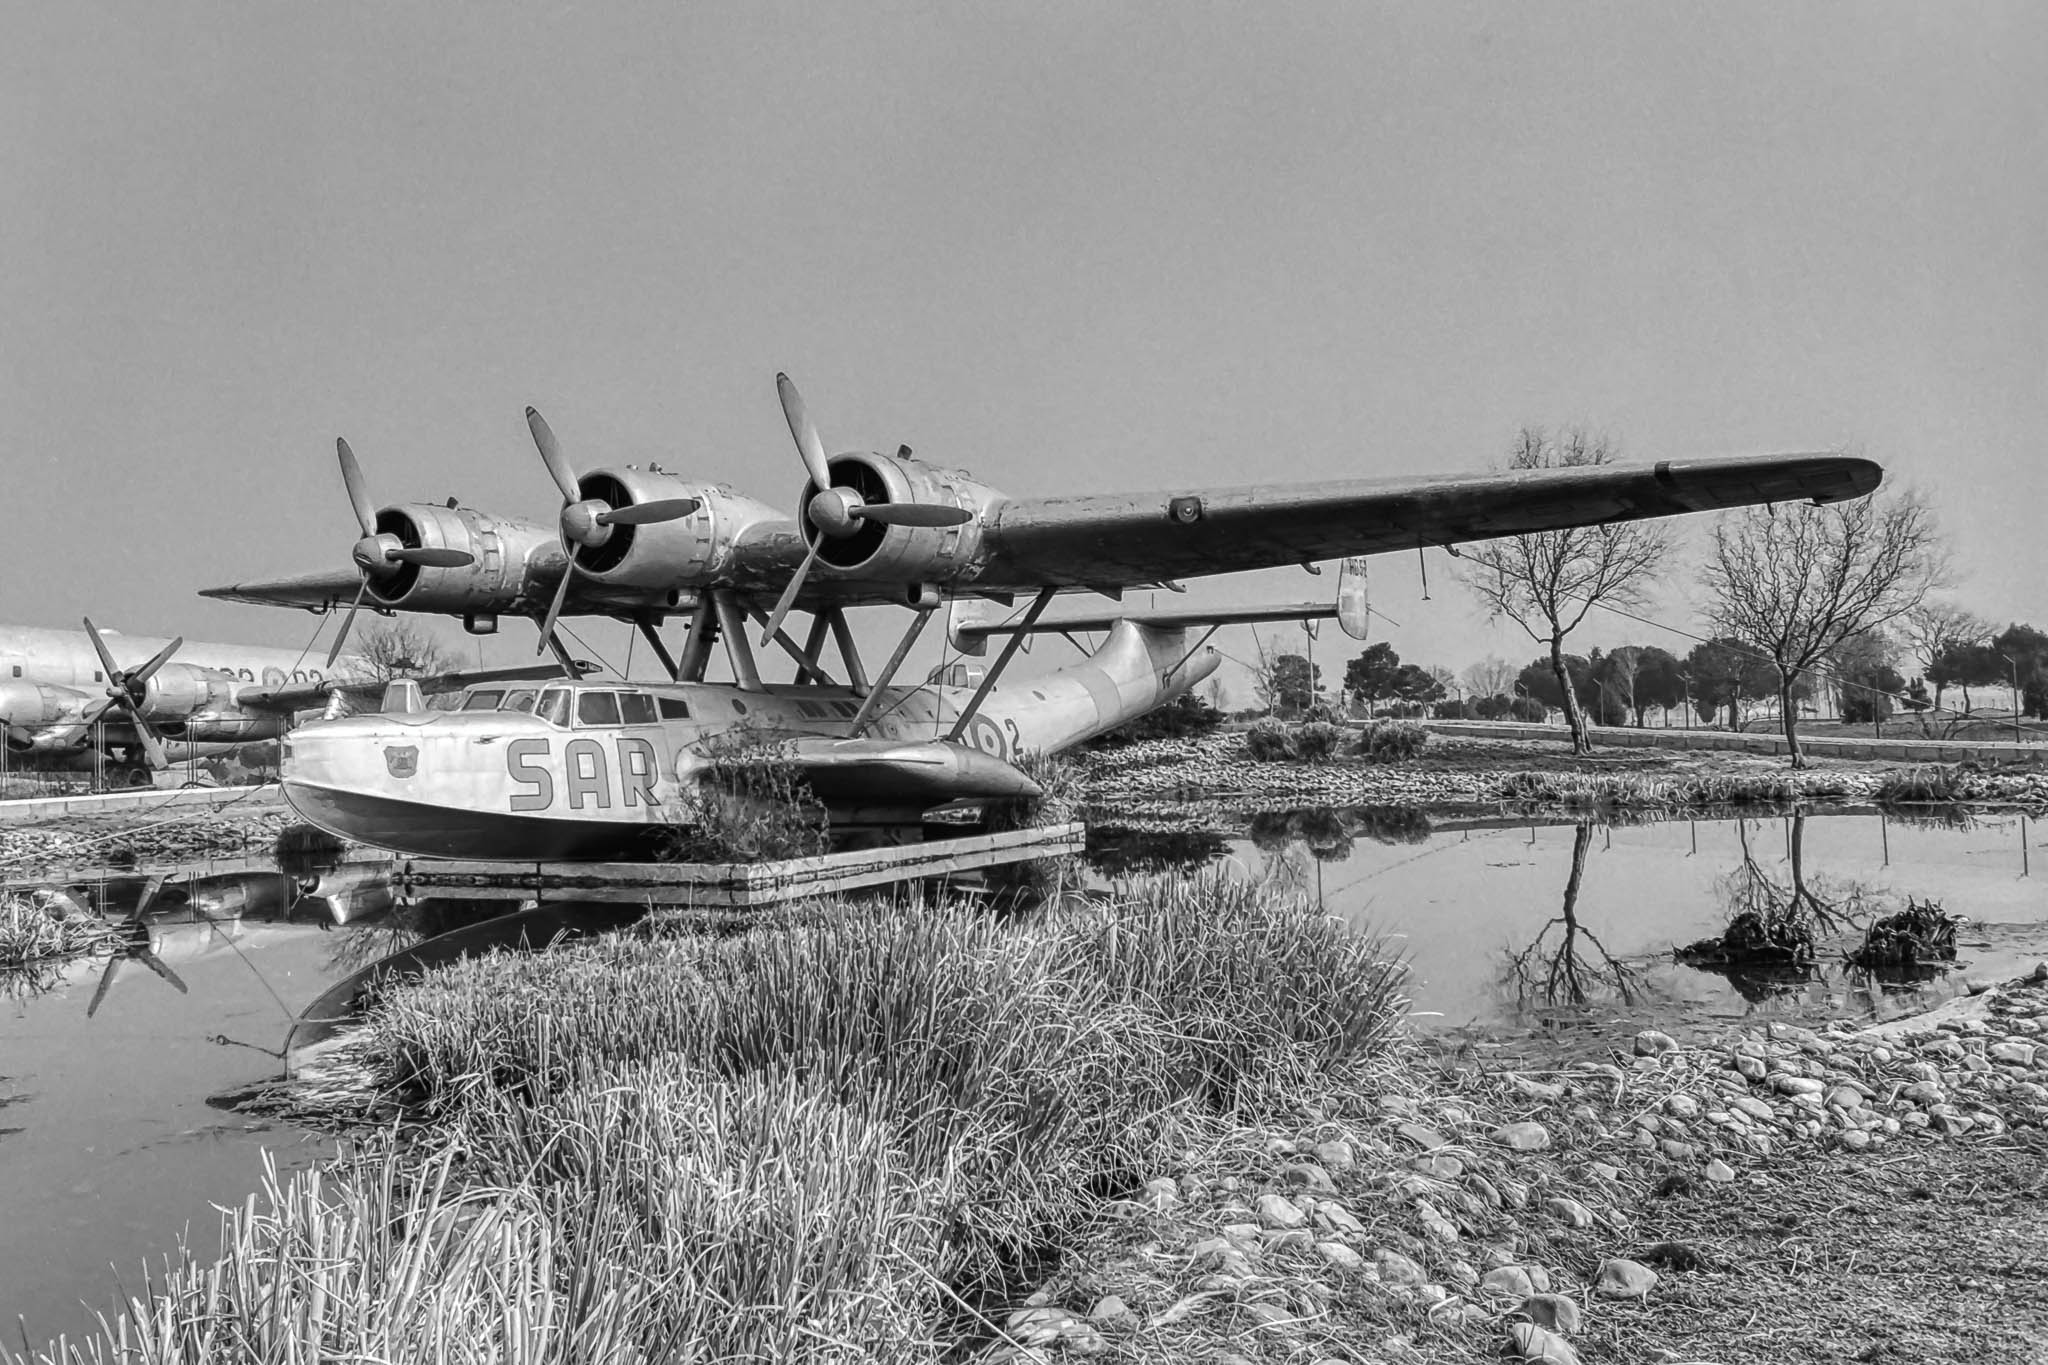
33, 933
750, 803
801, 1142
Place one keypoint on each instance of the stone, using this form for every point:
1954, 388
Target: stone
1676, 1150
1719, 1171
1752, 1068
1438, 1165
1161, 1194
1428, 1139
1523, 1137
1605, 1171
1537, 1090
1434, 1223
1398, 1269
1276, 1212
1540, 1344
1796, 1085
1280, 1146
1218, 1253
2013, 1054
1482, 1190
1754, 1107
1335, 1218
1855, 1139
1553, 1311
1651, 1043
1112, 1314
1268, 1315
1508, 1281
1336, 1157
1287, 1239
1621, 1278
1341, 1257
1303, 1175
1682, 1106
1924, 1092
1568, 1211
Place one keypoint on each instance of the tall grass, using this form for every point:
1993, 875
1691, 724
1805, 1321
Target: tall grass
795, 1143
32, 934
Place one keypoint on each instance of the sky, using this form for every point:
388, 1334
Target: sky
1071, 246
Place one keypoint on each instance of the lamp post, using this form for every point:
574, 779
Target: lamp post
2009, 663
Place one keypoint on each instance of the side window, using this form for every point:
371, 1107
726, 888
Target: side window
553, 706
17, 670
597, 708
674, 708
482, 701
518, 699
637, 708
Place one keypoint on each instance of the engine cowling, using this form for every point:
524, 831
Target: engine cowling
178, 690
901, 554
30, 704
696, 549
509, 555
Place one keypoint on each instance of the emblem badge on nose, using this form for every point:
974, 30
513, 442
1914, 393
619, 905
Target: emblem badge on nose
402, 760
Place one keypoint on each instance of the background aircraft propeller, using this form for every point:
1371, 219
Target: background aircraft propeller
136, 945
127, 688
588, 522
379, 555
838, 511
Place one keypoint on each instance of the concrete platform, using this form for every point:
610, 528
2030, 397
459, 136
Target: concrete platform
38, 810
737, 885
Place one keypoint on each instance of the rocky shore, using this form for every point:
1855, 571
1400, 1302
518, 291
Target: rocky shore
1763, 1199
1217, 770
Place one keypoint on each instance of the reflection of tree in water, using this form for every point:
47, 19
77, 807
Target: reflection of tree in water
1556, 971
1116, 853
356, 946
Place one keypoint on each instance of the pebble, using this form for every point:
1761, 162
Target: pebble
1396, 1268
1161, 1194
1541, 1344
1337, 1156
1307, 1176
1651, 1043
1278, 1212
1620, 1278
1112, 1314
1553, 1311
1568, 1211
1341, 1256
1796, 1085
1719, 1171
1335, 1218
1426, 1138
1508, 1281
1523, 1137
1434, 1222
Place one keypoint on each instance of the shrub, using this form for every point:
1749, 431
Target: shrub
1392, 741
1453, 709
32, 933
1926, 782
1318, 740
1495, 707
750, 804
1528, 709
1271, 741
1185, 717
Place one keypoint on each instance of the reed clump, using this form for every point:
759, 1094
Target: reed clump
811, 1140
32, 933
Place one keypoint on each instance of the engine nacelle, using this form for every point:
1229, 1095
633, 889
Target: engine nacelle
905, 554
697, 548
30, 704
509, 555
177, 690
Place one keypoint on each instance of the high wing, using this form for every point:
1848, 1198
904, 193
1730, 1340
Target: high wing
1135, 538
313, 591
305, 696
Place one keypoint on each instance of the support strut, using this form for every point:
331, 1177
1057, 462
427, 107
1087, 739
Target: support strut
873, 701
738, 649
995, 672
842, 635
697, 643
806, 665
652, 635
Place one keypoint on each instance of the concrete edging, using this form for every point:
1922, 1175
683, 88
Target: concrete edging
1820, 746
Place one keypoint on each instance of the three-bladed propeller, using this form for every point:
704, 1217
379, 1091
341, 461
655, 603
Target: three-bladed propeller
588, 522
838, 511
379, 555
127, 688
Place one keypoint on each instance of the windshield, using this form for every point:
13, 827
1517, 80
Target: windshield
553, 705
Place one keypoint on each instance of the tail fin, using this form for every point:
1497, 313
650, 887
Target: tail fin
970, 631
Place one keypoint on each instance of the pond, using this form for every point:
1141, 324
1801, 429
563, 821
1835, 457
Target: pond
117, 1074
1544, 924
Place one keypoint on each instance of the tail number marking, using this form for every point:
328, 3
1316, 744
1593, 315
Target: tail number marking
586, 771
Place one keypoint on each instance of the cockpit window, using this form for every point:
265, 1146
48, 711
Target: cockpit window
553, 705
482, 700
674, 708
597, 708
518, 699
637, 708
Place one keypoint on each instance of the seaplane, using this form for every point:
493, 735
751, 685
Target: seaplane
588, 769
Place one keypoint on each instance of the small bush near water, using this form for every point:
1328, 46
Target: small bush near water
31, 933
750, 804
1393, 741
804, 1142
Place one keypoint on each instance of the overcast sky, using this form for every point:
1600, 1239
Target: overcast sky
1073, 247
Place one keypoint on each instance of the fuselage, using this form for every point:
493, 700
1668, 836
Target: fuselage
597, 769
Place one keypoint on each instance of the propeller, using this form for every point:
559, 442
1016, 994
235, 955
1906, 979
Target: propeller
588, 522
379, 555
127, 688
838, 511
137, 945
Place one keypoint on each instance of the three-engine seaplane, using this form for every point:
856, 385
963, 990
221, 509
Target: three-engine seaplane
586, 769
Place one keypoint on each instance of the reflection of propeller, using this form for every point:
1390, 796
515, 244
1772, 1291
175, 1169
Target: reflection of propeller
137, 945
838, 511
588, 522
379, 555
127, 689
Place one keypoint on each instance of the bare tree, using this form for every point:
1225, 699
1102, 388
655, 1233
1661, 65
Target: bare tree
1492, 676
403, 648
1934, 628
1795, 580
1546, 581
